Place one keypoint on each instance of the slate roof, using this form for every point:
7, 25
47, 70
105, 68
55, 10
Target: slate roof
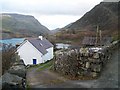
40, 45
92, 40
106, 40
89, 41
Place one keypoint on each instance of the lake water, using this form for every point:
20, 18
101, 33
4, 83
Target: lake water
61, 45
15, 41
12, 41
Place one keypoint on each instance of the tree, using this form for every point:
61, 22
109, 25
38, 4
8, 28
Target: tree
8, 56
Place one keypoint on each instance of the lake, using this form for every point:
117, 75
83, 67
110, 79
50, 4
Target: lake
12, 41
15, 41
61, 45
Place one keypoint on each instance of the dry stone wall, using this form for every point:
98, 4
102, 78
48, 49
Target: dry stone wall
82, 62
15, 77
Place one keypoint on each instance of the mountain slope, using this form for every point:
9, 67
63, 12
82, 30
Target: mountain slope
60, 29
21, 25
104, 14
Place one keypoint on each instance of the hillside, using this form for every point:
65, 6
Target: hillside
17, 25
55, 30
60, 29
104, 14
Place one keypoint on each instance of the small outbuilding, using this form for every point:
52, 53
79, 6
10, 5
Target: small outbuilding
91, 41
35, 50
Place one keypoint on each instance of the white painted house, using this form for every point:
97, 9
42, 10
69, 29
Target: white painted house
35, 50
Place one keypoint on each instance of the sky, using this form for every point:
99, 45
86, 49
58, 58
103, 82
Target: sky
50, 13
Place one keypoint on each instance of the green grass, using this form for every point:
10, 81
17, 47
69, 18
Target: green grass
116, 37
28, 87
35, 66
42, 66
39, 65
46, 65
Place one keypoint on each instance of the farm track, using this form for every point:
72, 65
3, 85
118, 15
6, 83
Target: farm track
48, 79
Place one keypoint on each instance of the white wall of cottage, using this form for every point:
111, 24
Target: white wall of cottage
28, 52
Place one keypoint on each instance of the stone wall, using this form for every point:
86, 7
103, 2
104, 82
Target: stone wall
15, 77
83, 61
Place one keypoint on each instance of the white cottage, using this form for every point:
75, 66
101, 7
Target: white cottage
35, 50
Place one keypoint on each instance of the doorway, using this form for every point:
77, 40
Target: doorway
34, 61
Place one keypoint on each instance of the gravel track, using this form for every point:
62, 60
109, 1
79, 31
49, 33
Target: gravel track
47, 79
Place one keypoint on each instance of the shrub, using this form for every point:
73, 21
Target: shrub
8, 56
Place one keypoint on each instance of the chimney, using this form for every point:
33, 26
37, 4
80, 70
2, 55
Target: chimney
40, 37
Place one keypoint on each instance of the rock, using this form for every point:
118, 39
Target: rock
11, 81
81, 62
87, 64
19, 62
19, 70
94, 74
82, 50
96, 55
10, 86
7, 77
97, 68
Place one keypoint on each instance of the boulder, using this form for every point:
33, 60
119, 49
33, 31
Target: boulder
10, 86
11, 81
19, 70
19, 62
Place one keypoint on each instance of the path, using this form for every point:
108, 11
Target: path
44, 78
47, 79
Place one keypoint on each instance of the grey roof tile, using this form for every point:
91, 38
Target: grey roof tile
92, 40
40, 45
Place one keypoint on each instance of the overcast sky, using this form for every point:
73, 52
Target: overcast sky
51, 13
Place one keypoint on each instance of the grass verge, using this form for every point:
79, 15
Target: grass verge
40, 65
46, 65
